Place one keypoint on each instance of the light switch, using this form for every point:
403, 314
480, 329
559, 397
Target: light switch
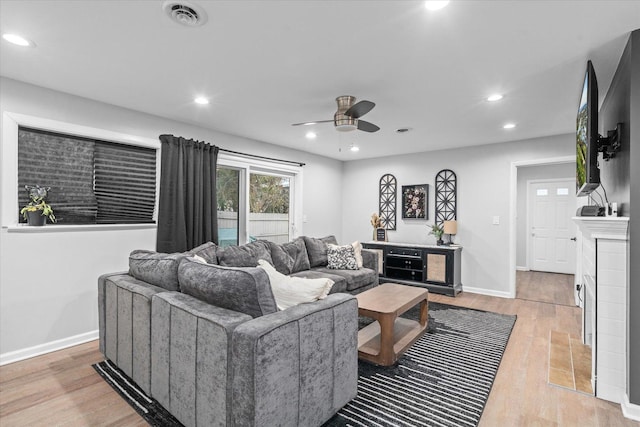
496, 220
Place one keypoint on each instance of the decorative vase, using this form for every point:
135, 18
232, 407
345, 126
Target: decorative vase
36, 219
439, 242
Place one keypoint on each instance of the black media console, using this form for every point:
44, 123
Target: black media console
436, 268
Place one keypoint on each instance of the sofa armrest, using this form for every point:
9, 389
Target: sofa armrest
124, 319
371, 259
190, 357
298, 366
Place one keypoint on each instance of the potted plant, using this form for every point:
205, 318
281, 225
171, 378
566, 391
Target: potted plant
437, 231
37, 210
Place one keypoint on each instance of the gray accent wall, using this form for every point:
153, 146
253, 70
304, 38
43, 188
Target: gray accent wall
622, 104
484, 186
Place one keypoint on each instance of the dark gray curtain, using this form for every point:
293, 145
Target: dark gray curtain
187, 212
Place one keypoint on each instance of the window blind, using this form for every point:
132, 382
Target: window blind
92, 181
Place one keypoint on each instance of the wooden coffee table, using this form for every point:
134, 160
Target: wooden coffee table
382, 342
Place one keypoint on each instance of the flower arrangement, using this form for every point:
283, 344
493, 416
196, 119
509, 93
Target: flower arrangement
375, 220
38, 202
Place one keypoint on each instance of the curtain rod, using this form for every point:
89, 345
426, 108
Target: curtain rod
261, 157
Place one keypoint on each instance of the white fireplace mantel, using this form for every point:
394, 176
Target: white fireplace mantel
602, 269
601, 227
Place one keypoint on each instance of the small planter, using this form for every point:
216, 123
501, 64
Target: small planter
36, 219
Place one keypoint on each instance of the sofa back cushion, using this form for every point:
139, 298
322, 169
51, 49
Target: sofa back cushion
244, 255
317, 249
282, 261
297, 250
206, 251
156, 268
243, 289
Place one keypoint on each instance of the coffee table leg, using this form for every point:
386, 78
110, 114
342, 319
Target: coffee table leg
424, 312
387, 355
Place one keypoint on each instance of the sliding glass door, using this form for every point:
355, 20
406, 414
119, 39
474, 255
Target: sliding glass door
269, 205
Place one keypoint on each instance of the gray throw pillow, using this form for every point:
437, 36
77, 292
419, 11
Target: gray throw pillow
245, 255
317, 249
243, 289
282, 261
156, 268
206, 251
297, 250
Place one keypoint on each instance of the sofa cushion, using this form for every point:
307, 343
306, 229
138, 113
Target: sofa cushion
298, 252
355, 278
244, 255
243, 289
341, 257
156, 268
339, 282
282, 261
290, 291
317, 249
206, 251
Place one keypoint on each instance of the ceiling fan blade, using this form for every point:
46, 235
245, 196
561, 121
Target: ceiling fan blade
312, 123
367, 127
359, 109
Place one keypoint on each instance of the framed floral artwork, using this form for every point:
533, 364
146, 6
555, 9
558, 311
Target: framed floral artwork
415, 201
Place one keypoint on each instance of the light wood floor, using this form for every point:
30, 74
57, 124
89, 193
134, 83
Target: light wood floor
545, 287
62, 389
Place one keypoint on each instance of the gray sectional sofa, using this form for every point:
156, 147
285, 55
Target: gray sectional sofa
207, 341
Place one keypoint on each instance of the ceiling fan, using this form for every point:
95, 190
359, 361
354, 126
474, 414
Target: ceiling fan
347, 118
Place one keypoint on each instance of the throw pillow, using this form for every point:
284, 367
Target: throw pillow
357, 249
297, 250
156, 268
282, 261
290, 291
317, 249
243, 289
244, 255
341, 257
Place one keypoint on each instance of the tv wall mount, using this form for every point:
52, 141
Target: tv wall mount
609, 145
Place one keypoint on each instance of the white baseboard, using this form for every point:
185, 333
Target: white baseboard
26, 353
489, 292
630, 410
522, 268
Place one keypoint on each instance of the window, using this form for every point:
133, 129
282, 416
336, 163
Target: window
92, 181
257, 200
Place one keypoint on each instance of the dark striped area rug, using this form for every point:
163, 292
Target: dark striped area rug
444, 379
148, 408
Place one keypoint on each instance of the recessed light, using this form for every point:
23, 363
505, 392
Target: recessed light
509, 126
354, 148
435, 4
311, 135
201, 100
18, 40
495, 97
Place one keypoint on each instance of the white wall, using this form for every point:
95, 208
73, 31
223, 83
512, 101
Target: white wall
48, 280
483, 192
529, 173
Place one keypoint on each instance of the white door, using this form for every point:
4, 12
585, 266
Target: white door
552, 247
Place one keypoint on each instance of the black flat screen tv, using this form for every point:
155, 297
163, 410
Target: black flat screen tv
587, 172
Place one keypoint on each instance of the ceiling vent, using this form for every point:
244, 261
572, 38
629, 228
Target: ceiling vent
185, 13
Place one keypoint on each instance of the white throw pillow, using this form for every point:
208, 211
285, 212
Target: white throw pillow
200, 259
289, 291
357, 248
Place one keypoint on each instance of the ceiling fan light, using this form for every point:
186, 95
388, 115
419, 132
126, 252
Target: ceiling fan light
346, 127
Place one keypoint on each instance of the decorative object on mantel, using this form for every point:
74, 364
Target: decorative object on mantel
437, 231
415, 199
37, 210
446, 199
388, 201
450, 227
376, 224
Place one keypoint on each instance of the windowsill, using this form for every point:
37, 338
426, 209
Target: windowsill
23, 228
